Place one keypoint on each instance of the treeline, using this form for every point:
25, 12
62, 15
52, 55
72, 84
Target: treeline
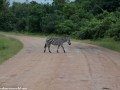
82, 19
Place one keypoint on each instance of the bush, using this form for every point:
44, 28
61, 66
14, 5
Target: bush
93, 29
114, 32
83, 33
66, 27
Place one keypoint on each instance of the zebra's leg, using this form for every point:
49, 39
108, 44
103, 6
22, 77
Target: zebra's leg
49, 48
58, 48
63, 48
45, 48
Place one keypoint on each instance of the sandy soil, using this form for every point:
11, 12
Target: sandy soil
83, 67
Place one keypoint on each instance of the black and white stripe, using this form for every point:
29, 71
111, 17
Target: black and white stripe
56, 41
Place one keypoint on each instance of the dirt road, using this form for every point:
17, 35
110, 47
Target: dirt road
83, 67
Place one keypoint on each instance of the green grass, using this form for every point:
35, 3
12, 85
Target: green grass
8, 47
107, 43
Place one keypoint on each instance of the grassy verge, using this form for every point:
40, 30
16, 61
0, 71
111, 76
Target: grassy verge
107, 43
8, 47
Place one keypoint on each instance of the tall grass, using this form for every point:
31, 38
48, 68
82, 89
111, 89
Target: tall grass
106, 42
8, 47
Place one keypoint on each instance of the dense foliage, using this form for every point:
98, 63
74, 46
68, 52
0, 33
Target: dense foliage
82, 19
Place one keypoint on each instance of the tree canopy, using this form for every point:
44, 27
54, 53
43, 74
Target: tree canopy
82, 19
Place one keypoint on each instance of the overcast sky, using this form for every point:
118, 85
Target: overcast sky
39, 1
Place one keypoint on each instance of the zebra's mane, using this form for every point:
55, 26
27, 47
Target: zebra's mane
65, 39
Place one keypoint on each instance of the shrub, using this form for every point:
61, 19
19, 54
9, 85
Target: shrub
66, 27
114, 32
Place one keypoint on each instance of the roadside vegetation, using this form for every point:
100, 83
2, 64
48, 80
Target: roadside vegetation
106, 42
8, 47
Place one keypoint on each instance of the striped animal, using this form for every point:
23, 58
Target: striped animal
56, 41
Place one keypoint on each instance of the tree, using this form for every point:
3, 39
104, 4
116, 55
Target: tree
109, 5
66, 27
4, 15
58, 4
69, 9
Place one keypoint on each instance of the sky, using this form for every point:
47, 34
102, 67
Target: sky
39, 1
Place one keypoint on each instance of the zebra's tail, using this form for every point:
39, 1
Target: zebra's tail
45, 45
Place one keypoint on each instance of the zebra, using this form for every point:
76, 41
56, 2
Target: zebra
56, 41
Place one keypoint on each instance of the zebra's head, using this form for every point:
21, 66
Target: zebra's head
68, 41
